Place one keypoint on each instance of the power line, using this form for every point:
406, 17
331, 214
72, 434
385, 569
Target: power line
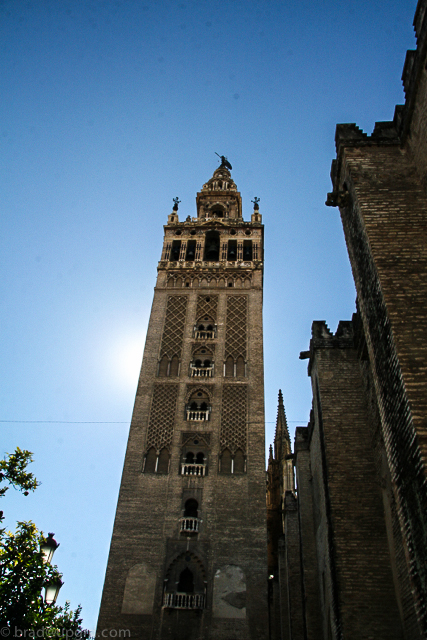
92, 421
63, 422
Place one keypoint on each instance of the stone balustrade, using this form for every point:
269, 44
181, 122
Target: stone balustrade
197, 415
193, 469
183, 600
189, 524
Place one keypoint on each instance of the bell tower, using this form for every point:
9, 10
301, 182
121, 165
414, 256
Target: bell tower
188, 557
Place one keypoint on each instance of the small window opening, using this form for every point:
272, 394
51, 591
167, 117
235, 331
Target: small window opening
232, 250
212, 246
247, 250
175, 250
191, 251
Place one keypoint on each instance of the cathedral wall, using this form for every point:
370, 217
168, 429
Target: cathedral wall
358, 555
309, 562
384, 225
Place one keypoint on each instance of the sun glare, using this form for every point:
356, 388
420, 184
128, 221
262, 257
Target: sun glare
126, 361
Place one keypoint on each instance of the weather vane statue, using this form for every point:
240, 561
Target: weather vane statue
224, 162
176, 203
256, 203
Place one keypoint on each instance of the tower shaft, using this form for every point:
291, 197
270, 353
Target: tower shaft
188, 552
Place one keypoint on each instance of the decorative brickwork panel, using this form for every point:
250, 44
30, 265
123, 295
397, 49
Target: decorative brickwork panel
207, 306
236, 328
162, 416
173, 331
233, 418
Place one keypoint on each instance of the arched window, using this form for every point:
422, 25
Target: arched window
163, 367
163, 463
239, 462
226, 461
200, 458
198, 406
189, 457
229, 367
150, 461
186, 581
240, 367
174, 366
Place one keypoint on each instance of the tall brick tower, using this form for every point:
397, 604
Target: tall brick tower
188, 554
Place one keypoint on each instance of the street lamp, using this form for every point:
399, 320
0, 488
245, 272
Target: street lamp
52, 590
48, 547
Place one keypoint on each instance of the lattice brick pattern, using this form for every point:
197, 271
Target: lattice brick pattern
207, 306
173, 330
162, 416
233, 418
236, 328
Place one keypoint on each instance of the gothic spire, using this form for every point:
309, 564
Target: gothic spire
282, 439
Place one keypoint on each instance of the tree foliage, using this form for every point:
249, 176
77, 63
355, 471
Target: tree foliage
23, 572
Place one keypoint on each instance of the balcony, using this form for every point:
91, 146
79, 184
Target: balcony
199, 416
193, 469
204, 335
183, 600
201, 372
190, 524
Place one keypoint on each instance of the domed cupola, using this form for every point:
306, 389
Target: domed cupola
220, 181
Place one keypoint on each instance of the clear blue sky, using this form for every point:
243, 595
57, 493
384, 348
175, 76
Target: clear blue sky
109, 110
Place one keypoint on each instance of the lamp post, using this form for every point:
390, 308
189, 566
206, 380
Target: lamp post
48, 548
52, 590
53, 585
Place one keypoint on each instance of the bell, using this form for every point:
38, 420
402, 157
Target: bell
212, 250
